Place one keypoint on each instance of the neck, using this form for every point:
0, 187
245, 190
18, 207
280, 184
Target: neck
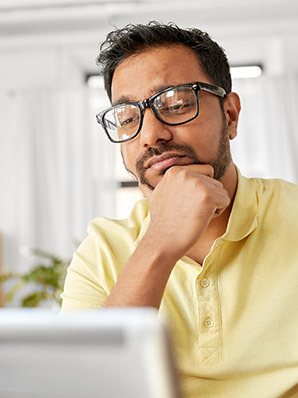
218, 225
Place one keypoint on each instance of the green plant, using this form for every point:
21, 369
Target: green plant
49, 275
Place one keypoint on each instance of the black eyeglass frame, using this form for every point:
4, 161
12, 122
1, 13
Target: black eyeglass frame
147, 103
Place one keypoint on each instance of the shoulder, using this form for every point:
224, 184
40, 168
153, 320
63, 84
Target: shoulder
277, 202
274, 185
125, 229
100, 258
276, 191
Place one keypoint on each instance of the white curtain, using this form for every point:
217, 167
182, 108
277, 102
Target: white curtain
267, 142
56, 172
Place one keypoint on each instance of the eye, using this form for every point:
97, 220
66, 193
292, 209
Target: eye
178, 107
127, 121
126, 116
178, 101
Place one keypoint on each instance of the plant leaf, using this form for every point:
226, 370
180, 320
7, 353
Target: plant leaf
33, 299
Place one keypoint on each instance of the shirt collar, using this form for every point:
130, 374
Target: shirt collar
243, 218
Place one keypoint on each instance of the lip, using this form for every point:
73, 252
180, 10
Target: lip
164, 161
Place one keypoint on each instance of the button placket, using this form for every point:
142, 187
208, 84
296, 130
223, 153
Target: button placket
209, 317
207, 293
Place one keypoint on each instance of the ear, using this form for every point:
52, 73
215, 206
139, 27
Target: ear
232, 107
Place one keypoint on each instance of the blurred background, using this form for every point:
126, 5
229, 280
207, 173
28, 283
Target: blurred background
57, 168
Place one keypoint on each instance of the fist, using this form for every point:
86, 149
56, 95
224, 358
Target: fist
182, 205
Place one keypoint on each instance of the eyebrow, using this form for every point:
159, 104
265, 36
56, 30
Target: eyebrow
126, 99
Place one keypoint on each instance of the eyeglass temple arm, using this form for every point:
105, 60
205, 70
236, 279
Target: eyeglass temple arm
212, 89
100, 121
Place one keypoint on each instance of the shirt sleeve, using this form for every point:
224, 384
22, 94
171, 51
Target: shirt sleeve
100, 259
82, 289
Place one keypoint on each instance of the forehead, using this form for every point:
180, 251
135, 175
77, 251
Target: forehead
142, 75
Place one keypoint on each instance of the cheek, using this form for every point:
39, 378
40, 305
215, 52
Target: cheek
203, 136
196, 133
128, 159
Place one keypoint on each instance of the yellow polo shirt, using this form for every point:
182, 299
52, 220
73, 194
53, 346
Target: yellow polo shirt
233, 320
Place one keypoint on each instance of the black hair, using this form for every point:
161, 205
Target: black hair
133, 39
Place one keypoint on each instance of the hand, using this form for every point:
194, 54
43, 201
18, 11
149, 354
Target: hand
182, 205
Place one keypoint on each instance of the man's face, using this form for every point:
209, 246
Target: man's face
204, 140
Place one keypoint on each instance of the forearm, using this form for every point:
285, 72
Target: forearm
181, 207
144, 278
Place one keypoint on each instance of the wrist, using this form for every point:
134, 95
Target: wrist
161, 247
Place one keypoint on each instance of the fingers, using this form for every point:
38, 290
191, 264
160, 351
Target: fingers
196, 181
200, 169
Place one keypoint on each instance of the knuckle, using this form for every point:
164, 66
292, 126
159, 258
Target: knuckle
177, 172
205, 194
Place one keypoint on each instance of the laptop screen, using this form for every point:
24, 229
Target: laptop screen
108, 353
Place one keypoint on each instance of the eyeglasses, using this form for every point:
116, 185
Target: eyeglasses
173, 106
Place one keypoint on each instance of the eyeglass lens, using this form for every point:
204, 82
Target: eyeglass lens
176, 106
173, 106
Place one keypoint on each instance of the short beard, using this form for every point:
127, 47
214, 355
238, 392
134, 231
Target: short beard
219, 164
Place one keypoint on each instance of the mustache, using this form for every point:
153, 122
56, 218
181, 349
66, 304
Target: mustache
183, 149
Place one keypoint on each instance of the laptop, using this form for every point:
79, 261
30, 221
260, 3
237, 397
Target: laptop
107, 353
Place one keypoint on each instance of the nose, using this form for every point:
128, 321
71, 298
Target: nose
153, 131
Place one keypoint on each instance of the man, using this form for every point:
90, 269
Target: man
214, 251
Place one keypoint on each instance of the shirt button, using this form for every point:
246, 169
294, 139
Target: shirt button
209, 323
205, 282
